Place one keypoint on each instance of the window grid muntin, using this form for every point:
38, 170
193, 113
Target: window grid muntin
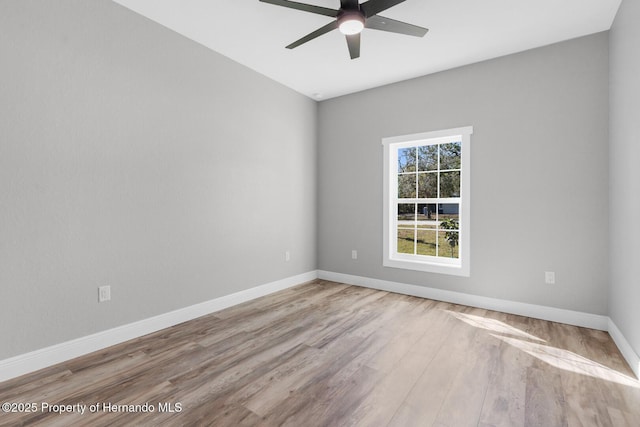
415, 145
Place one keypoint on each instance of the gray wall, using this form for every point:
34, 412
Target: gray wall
624, 295
133, 157
539, 175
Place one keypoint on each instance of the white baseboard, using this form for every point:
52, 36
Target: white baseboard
625, 348
576, 318
569, 317
38, 359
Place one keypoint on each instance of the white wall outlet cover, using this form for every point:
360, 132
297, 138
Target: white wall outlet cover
550, 277
354, 254
104, 293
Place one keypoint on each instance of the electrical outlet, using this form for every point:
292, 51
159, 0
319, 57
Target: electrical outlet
354, 254
549, 277
287, 256
104, 293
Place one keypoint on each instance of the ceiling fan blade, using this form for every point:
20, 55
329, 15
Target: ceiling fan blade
381, 23
353, 41
373, 7
317, 33
304, 7
350, 4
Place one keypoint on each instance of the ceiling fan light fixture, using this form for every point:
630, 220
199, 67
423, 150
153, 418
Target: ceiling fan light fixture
351, 23
351, 19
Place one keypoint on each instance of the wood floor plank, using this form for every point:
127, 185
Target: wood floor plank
504, 402
471, 380
381, 404
445, 351
330, 354
327, 387
545, 403
333, 406
579, 376
266, 393
406, 330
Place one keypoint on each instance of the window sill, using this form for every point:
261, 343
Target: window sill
431, 267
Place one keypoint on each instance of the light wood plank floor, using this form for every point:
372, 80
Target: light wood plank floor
328, 354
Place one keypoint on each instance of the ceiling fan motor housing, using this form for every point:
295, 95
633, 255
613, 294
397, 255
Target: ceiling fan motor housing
351, 21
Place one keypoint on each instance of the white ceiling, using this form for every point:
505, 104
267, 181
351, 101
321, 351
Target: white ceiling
460, 32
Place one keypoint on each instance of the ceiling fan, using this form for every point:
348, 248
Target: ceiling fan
351, 19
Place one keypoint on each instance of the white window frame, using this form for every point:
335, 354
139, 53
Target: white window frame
442, 265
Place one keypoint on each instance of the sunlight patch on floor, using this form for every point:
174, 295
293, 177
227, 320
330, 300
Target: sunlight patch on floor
557, 357
493, 325
569, 361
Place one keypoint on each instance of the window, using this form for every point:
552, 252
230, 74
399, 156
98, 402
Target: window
426, 196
